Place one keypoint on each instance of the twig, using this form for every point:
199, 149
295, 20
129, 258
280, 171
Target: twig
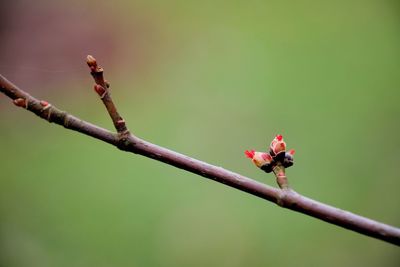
128, 142
102, 89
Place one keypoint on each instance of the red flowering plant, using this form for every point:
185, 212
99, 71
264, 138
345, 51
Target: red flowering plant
276, 159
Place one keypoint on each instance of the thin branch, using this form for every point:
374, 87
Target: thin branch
130, 143
102, 88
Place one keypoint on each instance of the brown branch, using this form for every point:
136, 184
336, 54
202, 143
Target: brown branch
102, 89
128, 142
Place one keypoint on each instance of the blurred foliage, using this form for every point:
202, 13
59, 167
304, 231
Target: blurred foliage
208, 79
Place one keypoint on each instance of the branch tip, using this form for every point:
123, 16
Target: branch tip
91, 61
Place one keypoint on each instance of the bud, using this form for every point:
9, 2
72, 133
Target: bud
91, 61
277, 146
276, 157
259, 158
99, 90
44, 103
288, 160
20, 102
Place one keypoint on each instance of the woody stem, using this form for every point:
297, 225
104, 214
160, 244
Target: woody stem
280, 175
284, 198
104, 93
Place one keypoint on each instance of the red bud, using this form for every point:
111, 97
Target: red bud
44, 103
91, 61
266, 156
99, 90
20, 102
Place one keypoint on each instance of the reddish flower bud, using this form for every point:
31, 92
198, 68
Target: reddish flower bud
267, 157
20, 102
277, 145
91, 61
44, 103
259, 158
277, 156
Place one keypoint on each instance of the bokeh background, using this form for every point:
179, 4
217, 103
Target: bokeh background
208, 79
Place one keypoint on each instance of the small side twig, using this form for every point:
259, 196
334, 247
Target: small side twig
102, 88
130, 143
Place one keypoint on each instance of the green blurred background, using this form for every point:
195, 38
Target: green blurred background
208, 79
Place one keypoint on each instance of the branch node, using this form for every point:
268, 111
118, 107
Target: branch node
123, 140
282, 199
121, 123
65, 119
